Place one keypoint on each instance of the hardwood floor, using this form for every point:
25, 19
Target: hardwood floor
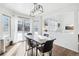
60, 51
57, 51
7, 49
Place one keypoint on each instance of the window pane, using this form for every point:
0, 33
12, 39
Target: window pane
20, 26
5, 21
26, 26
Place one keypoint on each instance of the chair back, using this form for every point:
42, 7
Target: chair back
48, 45
47, 35
29, 33
31, 43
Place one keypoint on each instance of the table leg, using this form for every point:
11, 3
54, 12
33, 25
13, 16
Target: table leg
32, 52
43, 54
36, 51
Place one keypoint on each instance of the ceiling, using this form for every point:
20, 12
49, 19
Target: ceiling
25, 8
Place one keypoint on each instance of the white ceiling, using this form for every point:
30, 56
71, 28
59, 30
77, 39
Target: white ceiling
25, 8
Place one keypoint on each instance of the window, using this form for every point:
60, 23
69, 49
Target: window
20, 26
5, 22
24, 23
37, 24
26, 26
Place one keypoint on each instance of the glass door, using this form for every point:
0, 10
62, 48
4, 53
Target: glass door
24, 26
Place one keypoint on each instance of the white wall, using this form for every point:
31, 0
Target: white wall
15, 29
64, 38
67, 39
78, 22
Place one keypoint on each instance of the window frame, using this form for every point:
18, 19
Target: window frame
9, 24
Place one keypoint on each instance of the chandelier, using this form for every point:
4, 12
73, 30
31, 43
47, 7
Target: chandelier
37, 9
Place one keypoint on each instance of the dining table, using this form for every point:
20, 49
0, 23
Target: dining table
38, 39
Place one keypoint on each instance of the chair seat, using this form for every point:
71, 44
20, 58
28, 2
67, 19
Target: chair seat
41, 49
46, 47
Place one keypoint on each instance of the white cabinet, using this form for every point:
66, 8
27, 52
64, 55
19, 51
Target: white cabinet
2, 46
4, 41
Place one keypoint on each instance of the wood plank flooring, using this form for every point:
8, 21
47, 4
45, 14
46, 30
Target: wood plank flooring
61, 51
57, 51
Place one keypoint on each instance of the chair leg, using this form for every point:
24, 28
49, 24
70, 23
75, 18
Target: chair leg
28, 50
32, 52
43, 54
36, 51
50, 53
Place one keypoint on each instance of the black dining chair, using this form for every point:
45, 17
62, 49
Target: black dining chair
29, 33
47, 47
47, 35
30, 44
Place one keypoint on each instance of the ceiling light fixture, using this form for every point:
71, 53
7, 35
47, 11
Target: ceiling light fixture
37, 9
